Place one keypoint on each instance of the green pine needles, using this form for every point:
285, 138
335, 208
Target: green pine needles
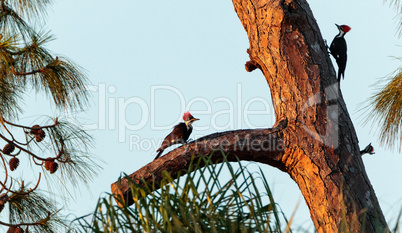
58, 149
26, 63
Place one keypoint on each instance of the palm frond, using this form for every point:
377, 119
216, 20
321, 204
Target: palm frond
193, 203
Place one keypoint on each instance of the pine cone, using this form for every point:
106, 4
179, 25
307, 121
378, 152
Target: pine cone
18, 230
40, 135
53, 167
47, 163
14, 162
12, 229
35, 129
3, 200
8, 148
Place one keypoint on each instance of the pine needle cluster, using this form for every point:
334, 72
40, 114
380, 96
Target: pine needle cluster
27, 64
397, 5
385, 109
59, 147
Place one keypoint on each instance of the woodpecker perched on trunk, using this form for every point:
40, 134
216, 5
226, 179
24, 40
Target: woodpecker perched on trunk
368, 150
338, 50
180, 133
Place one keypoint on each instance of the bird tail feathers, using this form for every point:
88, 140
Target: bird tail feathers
159, 154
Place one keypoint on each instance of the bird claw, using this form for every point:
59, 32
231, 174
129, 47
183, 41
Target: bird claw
189, 140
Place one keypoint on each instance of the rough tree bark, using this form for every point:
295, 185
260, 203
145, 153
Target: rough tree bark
314, 140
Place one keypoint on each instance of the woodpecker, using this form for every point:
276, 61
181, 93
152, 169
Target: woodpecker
338, 50
180, 133
368, 150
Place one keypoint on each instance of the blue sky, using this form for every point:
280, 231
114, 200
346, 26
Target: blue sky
149, 61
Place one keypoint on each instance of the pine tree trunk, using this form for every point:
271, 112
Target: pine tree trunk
314, 140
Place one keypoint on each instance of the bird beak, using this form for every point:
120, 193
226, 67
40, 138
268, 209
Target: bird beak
195, 119
337, 25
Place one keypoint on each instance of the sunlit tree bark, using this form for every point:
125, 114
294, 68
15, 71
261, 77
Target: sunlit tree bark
313, 140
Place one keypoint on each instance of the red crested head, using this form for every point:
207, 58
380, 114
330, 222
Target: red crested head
187, 116
345, 28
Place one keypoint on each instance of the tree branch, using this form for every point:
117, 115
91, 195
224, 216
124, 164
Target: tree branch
26, 73
39, 222
56, 122
259, 145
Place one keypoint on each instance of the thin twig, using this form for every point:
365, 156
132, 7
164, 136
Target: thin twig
20, 192
56, 122
26, 139
36, 163
8, 131
40, 222
25, 150
26, 73
4, 186
37, 183
6, 171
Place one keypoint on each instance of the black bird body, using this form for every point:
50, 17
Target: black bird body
338, 50
180, 133
368, 150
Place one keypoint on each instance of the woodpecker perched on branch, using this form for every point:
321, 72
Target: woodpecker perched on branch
181, 132
368, 150
338, 50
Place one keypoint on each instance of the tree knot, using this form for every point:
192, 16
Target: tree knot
252, 65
